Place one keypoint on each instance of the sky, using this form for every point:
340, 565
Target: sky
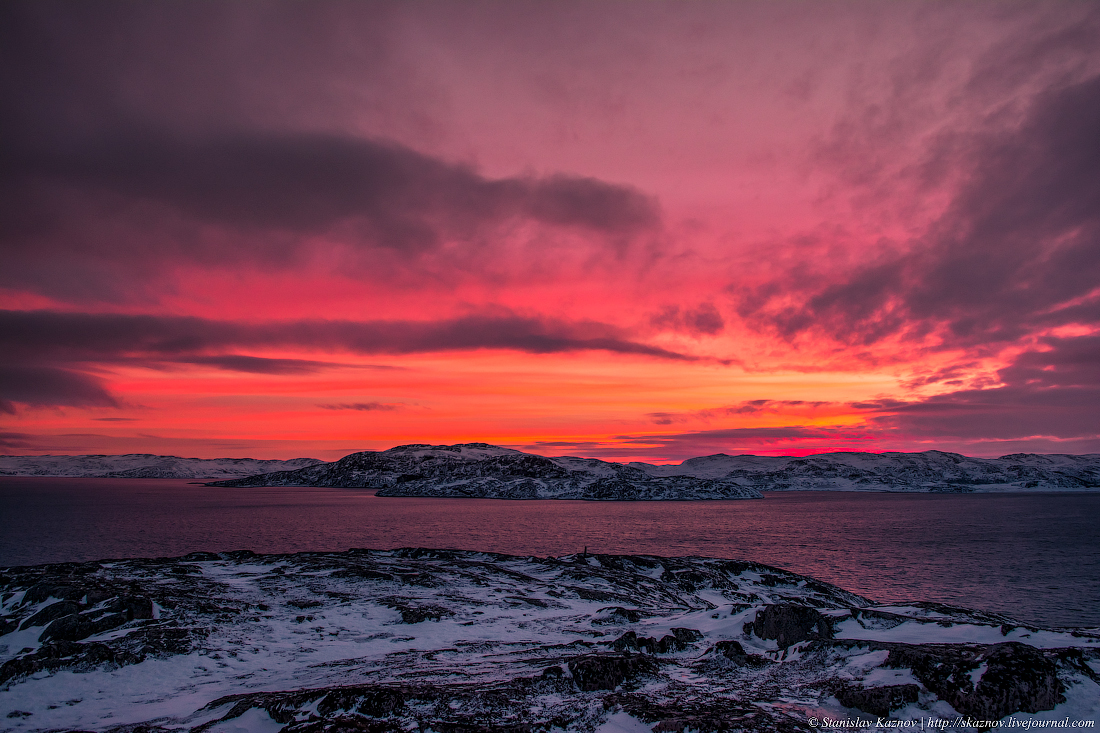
631, 231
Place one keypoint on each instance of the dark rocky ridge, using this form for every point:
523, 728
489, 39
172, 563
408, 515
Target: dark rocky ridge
440, 640
478, 470
484, 471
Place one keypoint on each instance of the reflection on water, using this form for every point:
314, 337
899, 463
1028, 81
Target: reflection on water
1035, 557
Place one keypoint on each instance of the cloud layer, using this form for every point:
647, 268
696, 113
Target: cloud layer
677, 228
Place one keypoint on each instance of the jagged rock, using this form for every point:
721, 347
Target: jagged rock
789, 624
608, 671
879, 701
678, 640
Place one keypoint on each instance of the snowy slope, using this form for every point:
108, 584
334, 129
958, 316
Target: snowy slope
446, 640
144, 465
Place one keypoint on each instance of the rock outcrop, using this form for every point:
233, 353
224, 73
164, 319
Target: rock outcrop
445, 640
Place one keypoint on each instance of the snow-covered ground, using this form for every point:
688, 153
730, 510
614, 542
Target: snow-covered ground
439, 640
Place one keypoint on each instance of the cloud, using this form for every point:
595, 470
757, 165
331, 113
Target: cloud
1017, 250
46, 386
16, 441
1051, 393
363, 406
68, 336
704, 320
43, 349
258, 364
748, 407
136, 202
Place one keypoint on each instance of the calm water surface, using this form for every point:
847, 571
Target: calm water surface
1035, 557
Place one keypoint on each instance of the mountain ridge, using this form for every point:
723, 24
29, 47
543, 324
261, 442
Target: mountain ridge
486, 471
144, 465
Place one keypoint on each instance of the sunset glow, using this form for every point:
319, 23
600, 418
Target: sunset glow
626, 231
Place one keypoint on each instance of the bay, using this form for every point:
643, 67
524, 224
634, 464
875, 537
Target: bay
1032, 556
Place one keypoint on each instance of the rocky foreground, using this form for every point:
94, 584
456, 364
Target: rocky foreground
463, 642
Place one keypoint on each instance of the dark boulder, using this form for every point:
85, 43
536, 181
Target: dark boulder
789, 623
734, 652
878, 700
80, 626
132, 607
50, 613
417, 614
608, 671
618, 615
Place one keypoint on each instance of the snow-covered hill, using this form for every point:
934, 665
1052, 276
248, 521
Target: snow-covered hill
144, 465
927, 471
485, 471
481, 470
464, 642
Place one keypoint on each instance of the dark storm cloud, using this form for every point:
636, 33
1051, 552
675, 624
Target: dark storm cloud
46, 386
15, 441
27, 335
141, 202
42, 347
258, 364
1019, 243
138, 137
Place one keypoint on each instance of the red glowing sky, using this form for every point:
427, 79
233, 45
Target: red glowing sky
622, 230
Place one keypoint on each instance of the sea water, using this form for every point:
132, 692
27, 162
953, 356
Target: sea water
1034, 557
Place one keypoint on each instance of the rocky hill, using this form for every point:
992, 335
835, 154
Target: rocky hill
486, 471
934, 471
468, 642
479, 470
144, 465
